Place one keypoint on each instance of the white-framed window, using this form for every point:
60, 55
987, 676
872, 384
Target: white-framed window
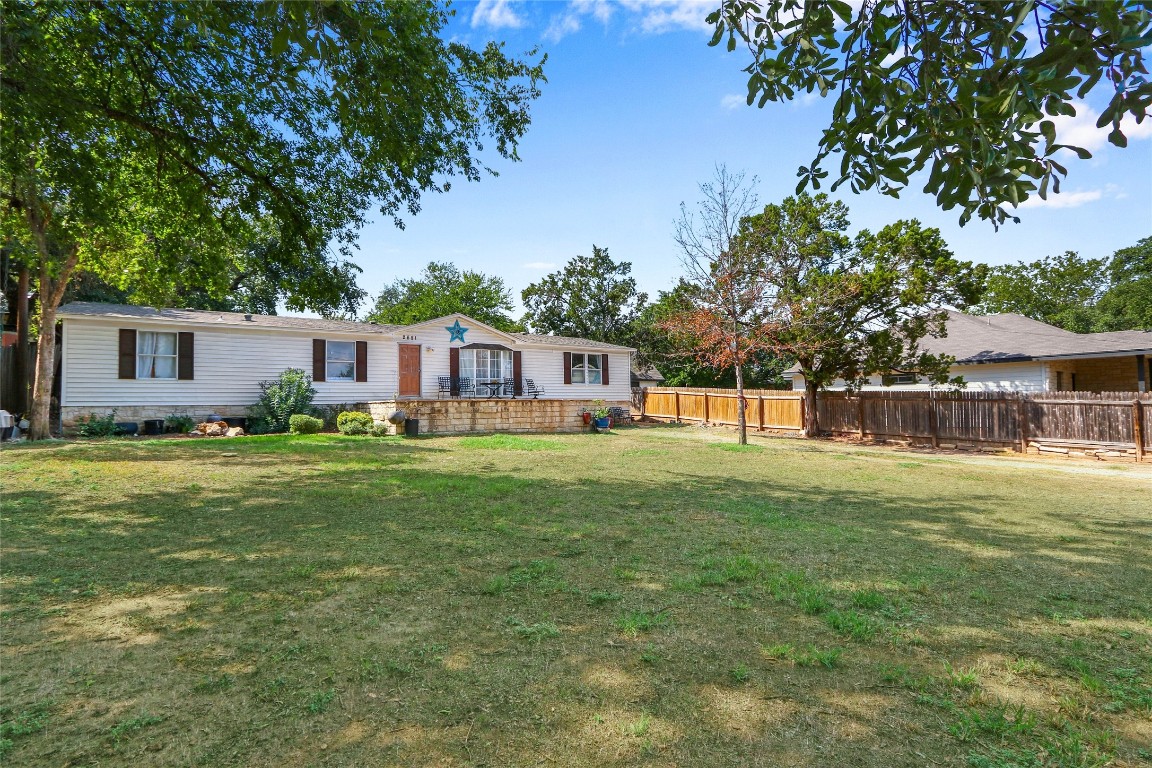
155, 355
486, 365
340, 361
586, 368
894, 379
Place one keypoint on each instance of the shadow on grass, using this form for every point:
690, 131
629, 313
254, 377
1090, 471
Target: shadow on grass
401, 610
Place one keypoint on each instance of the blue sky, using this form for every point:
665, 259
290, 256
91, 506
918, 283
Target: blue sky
637, 112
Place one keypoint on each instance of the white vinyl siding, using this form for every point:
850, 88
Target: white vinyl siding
1006, 377
230, 364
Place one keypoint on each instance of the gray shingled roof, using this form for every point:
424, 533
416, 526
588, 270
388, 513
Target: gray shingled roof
128, 311
1012, 337
566, 341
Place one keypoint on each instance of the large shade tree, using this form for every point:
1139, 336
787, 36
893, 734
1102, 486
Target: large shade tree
851, 308
967, 90
145, 142
444, 289
1078, 294
591, 297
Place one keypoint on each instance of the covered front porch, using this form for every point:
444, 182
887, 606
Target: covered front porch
463, 416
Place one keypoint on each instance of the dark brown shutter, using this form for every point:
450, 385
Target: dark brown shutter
185, 356
517, 372
127, 353
604, 369
454, 371
319, 359
567, 367
361, 361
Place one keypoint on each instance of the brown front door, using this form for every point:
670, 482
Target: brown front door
409, 370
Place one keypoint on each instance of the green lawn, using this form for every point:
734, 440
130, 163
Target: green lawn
657, 596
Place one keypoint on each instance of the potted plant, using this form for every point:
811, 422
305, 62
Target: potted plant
586, 415
602, 415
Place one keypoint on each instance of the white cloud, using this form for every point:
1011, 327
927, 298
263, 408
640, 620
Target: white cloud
562, 26
539, 265
495, 14
733, 101
659, 16
1080, 130
1064, 200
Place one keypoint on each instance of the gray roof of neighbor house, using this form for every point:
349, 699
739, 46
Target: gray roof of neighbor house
647, 373
1009, 338
286, 322
1012, 337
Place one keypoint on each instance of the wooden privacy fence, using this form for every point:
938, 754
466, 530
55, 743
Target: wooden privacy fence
1103, 423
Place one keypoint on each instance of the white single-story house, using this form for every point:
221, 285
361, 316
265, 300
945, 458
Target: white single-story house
148, 363
1010, 352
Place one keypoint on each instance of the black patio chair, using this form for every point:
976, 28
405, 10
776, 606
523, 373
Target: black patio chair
443, 386
508, 388
531, 390
467, 387
620, 415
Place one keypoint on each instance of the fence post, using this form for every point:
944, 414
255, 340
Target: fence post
643, 402
705, 408
860, 412
1022, 421
760, 418
1138, 428
677, 398
933, 419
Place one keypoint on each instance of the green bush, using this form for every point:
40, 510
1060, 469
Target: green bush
181, 423
288, 395
354, 423
329, 413
379, 430
303, 424
96, 426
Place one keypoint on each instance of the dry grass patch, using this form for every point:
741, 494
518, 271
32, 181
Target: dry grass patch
644, 598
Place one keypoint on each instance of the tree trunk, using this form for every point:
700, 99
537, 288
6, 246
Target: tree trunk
741, 418
20, 361
51, 294
45, 371
812, 423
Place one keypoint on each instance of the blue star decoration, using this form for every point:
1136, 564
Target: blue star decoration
455, 332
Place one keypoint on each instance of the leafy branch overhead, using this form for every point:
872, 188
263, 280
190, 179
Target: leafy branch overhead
968, 91
151, 144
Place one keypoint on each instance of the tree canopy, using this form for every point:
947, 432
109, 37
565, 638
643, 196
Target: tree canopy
967, 90
442, 289
1078, 294
149, 142
591, 297
851, 308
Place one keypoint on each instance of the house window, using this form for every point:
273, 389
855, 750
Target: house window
586, 369
894, 379
340, 361
486, 365
155, 355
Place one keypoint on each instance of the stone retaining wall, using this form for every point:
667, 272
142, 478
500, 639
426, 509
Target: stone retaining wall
471, 416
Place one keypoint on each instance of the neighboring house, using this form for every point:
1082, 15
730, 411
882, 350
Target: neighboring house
1015, 353
149, 363
646, 376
